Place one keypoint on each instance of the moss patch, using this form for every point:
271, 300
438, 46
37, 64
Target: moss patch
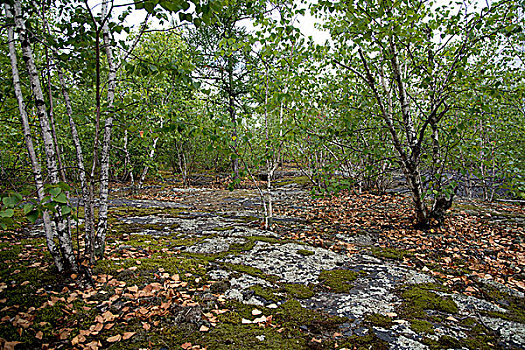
231, 336
268, 294
253, 271
420, 298
515, 306
305, 252
368, 342
379, 320
338, 281
291, 313
390, 253
299, 291
422, 326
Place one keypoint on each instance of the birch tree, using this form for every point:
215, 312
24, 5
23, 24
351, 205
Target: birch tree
63, 255
412, 56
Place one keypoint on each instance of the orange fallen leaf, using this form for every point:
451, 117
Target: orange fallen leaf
10, 345
186, 346
78, 339
127, 335
114, 338
98, 327
39, 335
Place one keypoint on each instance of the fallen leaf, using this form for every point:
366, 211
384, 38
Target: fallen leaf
127, 335
10, 345
114, 338
78, 339
39, 335
204, 328
186, 346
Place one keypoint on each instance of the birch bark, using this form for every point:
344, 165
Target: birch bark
63, 229
102, 225
35, 164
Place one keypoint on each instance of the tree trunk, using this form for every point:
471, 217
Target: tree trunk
151, 154
100, 238
233, 118
35, 164
127, 161
62, 227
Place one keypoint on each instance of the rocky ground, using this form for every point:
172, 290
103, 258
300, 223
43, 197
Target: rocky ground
196, 270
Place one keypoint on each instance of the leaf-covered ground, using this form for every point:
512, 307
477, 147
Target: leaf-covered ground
163, 285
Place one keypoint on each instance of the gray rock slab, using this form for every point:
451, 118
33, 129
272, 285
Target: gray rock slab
468, 304
214, 245
150, 219
356, 304
373, 291
512, 333
403, 343
285, 261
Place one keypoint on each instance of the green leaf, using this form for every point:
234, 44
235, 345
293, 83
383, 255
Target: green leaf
9, 201
65, 209
55, 191
61, 198
7, 213
33, 216
149, 6
27, 208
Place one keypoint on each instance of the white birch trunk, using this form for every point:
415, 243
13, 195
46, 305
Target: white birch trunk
127, 158
102, 226
151, 154
35, 164
63, 229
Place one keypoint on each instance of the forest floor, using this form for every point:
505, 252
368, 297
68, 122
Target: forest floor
194, 269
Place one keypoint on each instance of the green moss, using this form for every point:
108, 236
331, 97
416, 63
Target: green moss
379, 320
367, 342
481, 342
305, 252
468, 322
230, 317
225, 228
390, 253
233, 336
253, 271
449, 342
267, 293
292, 314
422, 326
515, 306
299, 291
9, 252
423, 299
338, 280
250, 243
